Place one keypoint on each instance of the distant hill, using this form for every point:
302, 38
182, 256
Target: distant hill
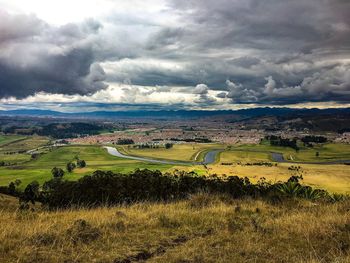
244, 113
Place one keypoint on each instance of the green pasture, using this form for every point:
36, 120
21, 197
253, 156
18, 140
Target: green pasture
326, 152
96, 158
5, 139
22, 143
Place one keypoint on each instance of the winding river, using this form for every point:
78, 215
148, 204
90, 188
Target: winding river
210, 158
278, 157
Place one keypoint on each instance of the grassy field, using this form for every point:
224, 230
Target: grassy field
96, 158
327, 152
201, 229
335, 178
244, 156
22, 143
179, 152
5, 139
10, 145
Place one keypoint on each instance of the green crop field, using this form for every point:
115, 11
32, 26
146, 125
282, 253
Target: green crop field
5, 139
335, 178
13, 147
22, 143
96, 158
326, 152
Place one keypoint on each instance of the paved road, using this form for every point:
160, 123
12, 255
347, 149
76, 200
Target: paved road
208, 158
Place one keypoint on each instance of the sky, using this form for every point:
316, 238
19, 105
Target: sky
88, 55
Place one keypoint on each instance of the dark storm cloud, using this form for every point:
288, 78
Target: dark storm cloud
252, 51
35, 57
301, 45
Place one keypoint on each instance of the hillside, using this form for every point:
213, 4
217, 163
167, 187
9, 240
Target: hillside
201, 229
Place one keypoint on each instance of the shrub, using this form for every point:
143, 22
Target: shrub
70, 167
108, 188
43, 239
81, 163
167, 222
235, 224
82, 231
118, 226
57, 172
201, 200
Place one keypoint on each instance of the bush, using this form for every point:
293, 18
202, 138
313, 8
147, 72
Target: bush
57, 172
81, 163
169, 145
108, 188
167, 222
70, 167
201, 200
82, 231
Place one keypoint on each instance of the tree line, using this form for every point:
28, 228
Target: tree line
108, 188
284, 142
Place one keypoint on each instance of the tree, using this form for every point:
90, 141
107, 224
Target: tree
81, 163
12, 188
31, 192
17, 182
168, 145
57, 172
70, 167
125, 141
317, 154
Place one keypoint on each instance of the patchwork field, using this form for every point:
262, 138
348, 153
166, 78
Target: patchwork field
95, 156
326, 152
5, 139
23, 143
242, 160
13, 148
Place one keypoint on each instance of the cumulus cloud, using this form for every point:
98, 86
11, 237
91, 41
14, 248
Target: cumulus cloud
203, 52
36, 57
239, 94
201, 89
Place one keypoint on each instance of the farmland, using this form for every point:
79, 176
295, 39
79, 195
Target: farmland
243, 160
95, 156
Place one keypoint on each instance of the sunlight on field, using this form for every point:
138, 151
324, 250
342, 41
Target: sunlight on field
335, 178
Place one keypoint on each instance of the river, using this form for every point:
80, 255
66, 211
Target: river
210, 158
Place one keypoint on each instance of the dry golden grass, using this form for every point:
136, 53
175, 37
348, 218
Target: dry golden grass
202, 229
334, 178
